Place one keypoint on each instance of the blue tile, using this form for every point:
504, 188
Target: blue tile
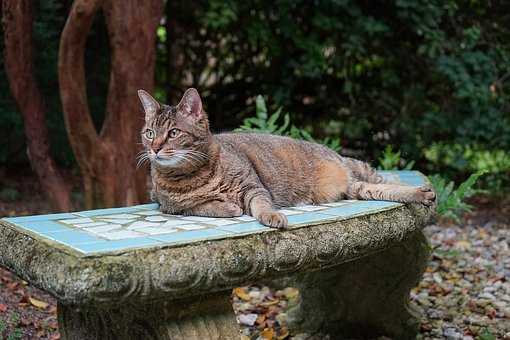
189, 236
49, 217
408, 177
72, 237
308, 218
242, 228
104, 246
109, 211
42, 227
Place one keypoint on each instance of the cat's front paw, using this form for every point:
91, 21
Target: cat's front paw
273, 219
425, 195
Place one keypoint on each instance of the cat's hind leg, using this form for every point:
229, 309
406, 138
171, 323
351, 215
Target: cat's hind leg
391, 192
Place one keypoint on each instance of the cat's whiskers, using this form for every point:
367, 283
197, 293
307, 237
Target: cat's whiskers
141, 157
195, 157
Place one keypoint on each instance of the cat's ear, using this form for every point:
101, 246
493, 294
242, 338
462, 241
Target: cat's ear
191, 104
150, 105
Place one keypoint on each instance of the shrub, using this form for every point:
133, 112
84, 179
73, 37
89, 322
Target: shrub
271, 123
451, 202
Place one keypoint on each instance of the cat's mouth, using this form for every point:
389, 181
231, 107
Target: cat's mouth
167, 161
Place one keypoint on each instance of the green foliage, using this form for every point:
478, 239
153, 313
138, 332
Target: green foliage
263, 122
451, 202
270, 123
458, 158
391, 160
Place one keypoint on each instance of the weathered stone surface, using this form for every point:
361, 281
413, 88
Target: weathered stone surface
365, 298
208, 317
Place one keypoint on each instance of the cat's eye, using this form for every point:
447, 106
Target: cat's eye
149, 134
174, 133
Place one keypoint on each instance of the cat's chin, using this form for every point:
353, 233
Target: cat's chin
162, 163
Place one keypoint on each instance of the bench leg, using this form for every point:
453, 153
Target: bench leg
201, 318
365, 298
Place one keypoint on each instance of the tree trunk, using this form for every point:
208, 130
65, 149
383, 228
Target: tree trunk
17, 21
107, 160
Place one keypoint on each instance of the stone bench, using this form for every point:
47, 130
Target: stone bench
133, 273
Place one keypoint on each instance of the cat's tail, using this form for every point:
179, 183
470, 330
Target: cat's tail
362, 171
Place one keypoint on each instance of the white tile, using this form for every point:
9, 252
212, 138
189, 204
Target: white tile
310, 207
121, 234
200, 218
143, 224
77, 221
149, 213
88, 225
156, 231
119, 216
192, 227
245, 218
221, 222
336, 204
288, 212
103, 229
117, 220
157, 218
176, 223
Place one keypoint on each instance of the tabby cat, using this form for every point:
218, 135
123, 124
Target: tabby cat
224, 175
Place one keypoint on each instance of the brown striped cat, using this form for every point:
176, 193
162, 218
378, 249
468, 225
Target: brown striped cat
197, 173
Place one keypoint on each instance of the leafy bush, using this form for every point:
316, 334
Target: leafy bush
270, 123
451, 202
461, 158
391, 160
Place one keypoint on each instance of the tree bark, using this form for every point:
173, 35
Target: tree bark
107, 159
17, 21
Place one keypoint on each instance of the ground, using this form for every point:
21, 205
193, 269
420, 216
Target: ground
464, 294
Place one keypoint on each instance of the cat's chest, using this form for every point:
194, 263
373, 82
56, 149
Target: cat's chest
178, 196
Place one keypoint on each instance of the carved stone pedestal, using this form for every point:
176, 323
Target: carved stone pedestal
203, 317
365, 298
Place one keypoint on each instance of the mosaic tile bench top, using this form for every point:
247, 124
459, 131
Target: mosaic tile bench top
141, 226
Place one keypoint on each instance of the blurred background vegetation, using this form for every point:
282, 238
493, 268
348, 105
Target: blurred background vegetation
402, 84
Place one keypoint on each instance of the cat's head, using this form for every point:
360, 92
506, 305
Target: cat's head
176, 138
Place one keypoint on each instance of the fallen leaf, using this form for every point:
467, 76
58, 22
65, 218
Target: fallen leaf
267, 334
38, 303
269, 303
3, 308
290, 292
242, 294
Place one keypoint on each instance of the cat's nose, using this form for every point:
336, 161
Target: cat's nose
157, 148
